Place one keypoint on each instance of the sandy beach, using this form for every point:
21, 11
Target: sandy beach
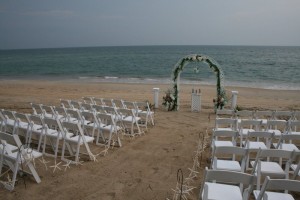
146, 166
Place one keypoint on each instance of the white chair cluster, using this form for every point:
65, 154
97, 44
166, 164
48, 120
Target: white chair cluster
66, 131
249, 147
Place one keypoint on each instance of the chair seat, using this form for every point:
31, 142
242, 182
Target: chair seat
224, 129
30, 153
130, 119
275, 195
255, 145
272, 169
246, 130
9, 147
227, 165
286, 146
220, 143
106, 127
294, 166
277, 133
37, 127
10, 122
76, 138
225, 192
295, 133
54, 133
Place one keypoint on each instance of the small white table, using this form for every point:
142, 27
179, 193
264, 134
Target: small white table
196, 102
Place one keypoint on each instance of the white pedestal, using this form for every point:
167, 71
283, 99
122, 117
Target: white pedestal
155, 96
234, 99
196, 102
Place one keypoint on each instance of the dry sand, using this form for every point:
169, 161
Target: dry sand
146, 166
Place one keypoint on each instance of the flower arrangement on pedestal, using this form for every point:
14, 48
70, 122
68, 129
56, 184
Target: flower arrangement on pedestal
171, 100
168, 100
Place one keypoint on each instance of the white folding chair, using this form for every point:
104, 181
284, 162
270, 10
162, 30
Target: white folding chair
98, 108
88, 100
277, 126
225, 124
76, 105
118, 103
221, 161
13, 158
294, 127
60, 113
22, 125
75, 141
247, 126
225, 113
253, 140
107, 102
53, 133
256, 141
266, 164
37, 109
2, 121
288, 142
296, 169
129, 105
74, 116
48, 111
283, 115
244, 115
129, 119
296, 115
10, 121
86, 107
107, 125
267, 190
66, 104
36, 130
92, 122
264, 115
144, 111
224, 138
226, 185
97, 101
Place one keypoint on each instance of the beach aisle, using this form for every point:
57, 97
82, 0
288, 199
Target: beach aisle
146, 166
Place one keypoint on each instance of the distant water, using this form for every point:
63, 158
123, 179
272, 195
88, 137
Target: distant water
249, 66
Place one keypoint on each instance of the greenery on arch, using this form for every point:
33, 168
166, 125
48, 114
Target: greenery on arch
171, 100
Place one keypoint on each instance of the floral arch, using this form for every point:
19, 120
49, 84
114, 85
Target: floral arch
171, 100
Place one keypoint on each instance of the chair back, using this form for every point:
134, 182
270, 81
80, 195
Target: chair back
65, 103
37, 109
278, 184
97, 101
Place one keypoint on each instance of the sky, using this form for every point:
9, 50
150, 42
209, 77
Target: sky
84, 23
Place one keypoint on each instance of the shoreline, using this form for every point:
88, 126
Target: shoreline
151, 81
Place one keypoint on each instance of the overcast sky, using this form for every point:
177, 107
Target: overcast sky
78, 23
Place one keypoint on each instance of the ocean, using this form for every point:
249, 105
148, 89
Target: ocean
249, 66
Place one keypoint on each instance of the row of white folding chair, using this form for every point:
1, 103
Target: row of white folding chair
229, 185
29, 126
70, 134
123, 115
253, 142
42, 130
142, 109
109, 104
90, 121
278, 127
16, 157
260, 114
264, 165
127, 116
